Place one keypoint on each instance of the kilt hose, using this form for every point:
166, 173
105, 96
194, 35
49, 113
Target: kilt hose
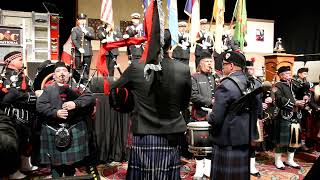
155, 157
75, 153
230, 163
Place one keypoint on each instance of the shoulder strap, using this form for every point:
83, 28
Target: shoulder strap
237, 82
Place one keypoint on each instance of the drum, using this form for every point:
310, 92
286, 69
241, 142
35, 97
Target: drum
198, 138
45, 77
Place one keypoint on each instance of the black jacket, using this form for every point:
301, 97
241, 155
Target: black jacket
76, 38
229, 129
202, 94
158, 111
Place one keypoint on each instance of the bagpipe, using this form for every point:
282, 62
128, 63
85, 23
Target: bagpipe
10, 80
300, 88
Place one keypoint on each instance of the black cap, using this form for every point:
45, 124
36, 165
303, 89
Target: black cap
82, 16
249, 63
60, 64
235, 57
301, 70
205, 55
283, 69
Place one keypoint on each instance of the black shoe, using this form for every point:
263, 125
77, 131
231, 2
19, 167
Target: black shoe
281, 168
257, 174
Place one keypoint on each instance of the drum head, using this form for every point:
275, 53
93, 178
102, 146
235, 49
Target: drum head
199, 124
45, 76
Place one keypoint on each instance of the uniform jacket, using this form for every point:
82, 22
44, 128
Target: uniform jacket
202, 94
50, 102
115, 36
229, 130
158, 112
76, 37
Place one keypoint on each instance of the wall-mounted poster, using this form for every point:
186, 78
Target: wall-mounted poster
259, 36
10, 36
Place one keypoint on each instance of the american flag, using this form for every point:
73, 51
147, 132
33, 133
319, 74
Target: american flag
106, 11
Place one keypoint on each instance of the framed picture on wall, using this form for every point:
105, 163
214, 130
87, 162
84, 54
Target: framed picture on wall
259, 36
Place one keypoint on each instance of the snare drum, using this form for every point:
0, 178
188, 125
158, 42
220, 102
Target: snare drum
198, 138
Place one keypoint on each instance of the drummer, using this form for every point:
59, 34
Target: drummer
202, 96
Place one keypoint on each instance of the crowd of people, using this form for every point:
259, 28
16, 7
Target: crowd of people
224, 93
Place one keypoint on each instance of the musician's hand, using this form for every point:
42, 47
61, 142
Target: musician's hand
300, 103
81, 50
38, 92
264, 106
69, 105
103, 41
62, 113
306, 98
268, 100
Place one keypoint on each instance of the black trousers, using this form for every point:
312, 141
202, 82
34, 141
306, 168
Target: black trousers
110, 64
80, 65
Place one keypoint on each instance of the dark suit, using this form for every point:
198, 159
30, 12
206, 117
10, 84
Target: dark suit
76, 37
230, 132
157, 124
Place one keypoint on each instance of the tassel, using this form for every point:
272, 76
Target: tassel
106, 86
23, 83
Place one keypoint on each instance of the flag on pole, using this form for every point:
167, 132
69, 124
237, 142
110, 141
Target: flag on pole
192, 9
106, 11
173, 21
66, 54
240, 14
145, 5
218, 14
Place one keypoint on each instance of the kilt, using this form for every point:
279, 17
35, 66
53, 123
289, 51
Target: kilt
76, 152
155, 157
230, 163
282, 132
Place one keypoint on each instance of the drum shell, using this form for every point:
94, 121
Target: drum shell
198, 138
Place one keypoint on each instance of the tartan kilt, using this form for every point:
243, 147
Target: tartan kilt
230, 164
76, 152
282, 132
154, 157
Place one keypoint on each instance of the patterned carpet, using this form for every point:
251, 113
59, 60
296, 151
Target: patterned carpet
116, 170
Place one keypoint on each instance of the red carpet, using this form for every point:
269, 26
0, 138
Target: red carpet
265, 165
